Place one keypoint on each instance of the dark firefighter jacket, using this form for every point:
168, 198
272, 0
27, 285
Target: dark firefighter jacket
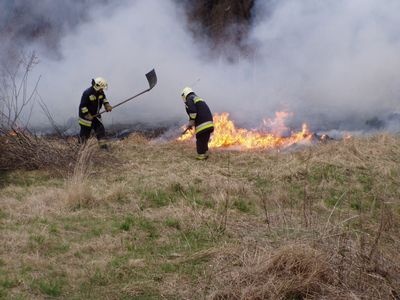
199, 111
91, 102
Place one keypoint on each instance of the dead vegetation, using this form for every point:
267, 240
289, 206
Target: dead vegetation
319, 223
335, 237
293, 271
78, 193
23, 150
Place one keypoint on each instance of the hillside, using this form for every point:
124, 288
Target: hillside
147, 221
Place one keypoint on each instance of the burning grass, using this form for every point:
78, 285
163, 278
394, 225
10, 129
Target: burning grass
322, 222
227, 135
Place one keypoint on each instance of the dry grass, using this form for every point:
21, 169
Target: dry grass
293, 271
79, 193
319, 223
23, 150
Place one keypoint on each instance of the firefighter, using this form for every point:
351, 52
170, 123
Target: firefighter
92, 100
200, 117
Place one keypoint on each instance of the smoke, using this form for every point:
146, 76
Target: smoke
40, 25
122, 47
333, 64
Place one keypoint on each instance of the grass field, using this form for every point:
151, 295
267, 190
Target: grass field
148, 221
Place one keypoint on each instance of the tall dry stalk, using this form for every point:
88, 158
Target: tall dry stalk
225, 209
78, 192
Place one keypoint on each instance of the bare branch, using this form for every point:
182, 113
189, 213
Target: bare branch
15, 96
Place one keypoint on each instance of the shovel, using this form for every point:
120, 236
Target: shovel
152, 80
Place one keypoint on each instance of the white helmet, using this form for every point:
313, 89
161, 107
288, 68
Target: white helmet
185, 92
99, 83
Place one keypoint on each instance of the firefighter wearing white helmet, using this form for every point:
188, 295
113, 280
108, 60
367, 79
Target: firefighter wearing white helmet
93, 98
185, 92
201, 118
99, 83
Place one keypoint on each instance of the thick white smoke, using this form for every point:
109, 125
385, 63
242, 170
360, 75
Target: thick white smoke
334, 64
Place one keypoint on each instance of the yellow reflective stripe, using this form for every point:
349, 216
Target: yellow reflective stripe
92, 97
85, 122
84, 109
101, 97
204, 125
193, 116
197, 99
105, 100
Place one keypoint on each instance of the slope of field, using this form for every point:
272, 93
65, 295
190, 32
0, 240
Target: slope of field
148, 221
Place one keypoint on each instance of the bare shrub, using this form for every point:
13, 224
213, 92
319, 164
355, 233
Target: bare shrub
20, 148
24, 150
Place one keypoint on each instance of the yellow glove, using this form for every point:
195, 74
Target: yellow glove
108, 107
89, 117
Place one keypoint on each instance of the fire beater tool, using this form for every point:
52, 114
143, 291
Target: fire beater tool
186, 130
152, 80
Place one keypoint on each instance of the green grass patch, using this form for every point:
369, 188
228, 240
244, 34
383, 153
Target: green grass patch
127, 223
197, 239
169, 268
141, 223
148, 226
8, 283
173, 223
366, 180
328, 172
52, 286
262, 183
334, 198
243, 205
48, 246
157, 198
84, 227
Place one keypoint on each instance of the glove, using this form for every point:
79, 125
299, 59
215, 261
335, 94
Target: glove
190, 124
89, 117
108, 107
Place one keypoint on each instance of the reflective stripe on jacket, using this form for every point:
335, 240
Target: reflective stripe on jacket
91, 102
203, 126
85, 122
198, 110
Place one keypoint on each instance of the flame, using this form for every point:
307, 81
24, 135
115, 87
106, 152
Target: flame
12, 133
227, 135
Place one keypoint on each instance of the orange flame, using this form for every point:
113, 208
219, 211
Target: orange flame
227, 135
12, 133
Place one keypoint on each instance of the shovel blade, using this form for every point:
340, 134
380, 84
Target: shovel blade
151, 78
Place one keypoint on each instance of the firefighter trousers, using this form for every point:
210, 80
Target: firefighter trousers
98, 128
202, 139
